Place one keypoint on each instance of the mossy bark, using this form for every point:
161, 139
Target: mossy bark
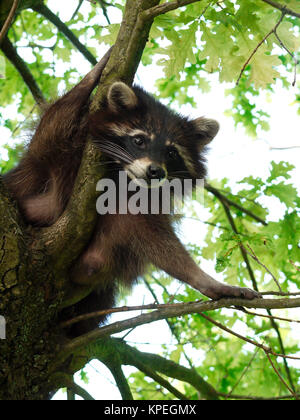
34, 263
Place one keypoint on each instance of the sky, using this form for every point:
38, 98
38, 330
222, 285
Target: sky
232, 155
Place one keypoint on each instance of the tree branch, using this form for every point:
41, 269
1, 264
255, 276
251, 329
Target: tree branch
48, 14
271, 317
96, 314
13, 56
103, 6
121, 381
67, 381
247, 340
129, 47
253, 279
176, 311
296, 62
243, 373
150, 372
273, 31
254, 256
171, 326
217, 193
118, 351
225, 205
142, 360
77, 9
8, 21
61, 240
282, 8
67, 237
280, 377
166, 7
256, 398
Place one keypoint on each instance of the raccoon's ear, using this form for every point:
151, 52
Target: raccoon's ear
207, 129
121, 97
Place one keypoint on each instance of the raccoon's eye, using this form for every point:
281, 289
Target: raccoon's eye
173, 154
139, 141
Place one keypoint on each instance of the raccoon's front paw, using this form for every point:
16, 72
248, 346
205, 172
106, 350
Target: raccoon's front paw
220, 291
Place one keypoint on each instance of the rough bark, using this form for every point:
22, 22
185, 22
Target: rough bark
34, 262
37, 359
28, 301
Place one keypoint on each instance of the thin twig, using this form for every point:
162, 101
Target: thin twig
293, 264
148, 371
77, 9
21, 123
226, 207
271, 293
280, 377
8, 21
254, 256
104, 5
254, 398
248, 340
243, 373
271, 316
285, 148
259, 45
296, 62
171, 326
217, 193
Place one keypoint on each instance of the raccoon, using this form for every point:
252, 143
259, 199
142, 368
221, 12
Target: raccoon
140, 137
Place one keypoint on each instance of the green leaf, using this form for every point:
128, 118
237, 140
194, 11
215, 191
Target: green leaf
262, 68
286, 193
180, 51
280, 169
111, 37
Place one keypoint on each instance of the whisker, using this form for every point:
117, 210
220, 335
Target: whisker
116, 147
115, 151
116, 154
121, 149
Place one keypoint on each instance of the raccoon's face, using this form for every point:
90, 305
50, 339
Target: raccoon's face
149, 141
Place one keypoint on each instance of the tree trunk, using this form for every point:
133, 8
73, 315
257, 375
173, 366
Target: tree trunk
34, 263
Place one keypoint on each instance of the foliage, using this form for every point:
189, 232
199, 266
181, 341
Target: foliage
277, 246
189, 44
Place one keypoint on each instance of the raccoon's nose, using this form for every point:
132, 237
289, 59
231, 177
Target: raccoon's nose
155, 172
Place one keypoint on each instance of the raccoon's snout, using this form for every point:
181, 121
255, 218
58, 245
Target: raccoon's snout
155, 172
145, 169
